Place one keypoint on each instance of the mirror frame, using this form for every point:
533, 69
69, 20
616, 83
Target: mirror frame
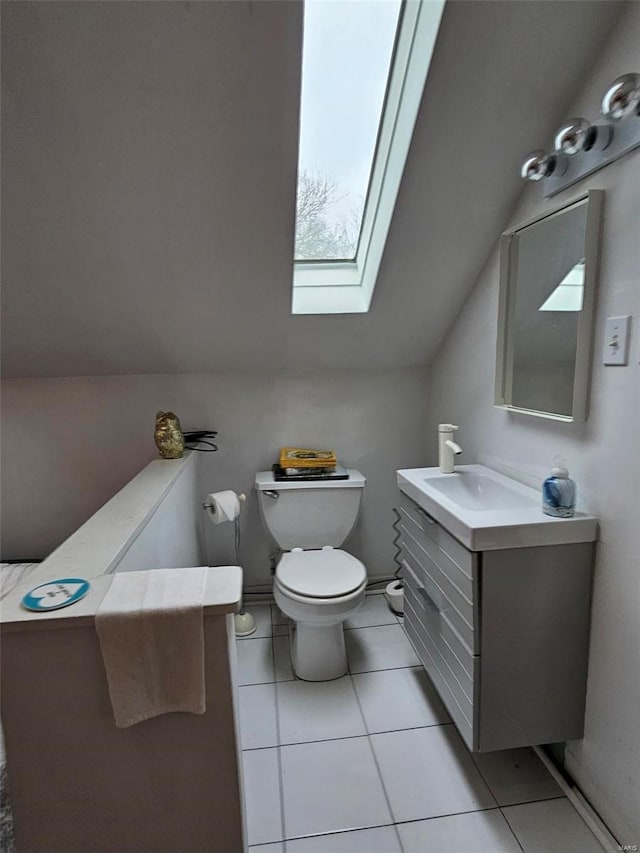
502, 398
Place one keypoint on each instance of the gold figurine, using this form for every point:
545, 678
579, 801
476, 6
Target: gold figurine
168, 436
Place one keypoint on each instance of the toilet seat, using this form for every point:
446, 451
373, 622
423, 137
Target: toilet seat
327, 573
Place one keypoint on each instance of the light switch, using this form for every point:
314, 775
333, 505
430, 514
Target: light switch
616, 344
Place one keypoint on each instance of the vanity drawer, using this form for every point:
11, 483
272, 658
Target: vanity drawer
465, 561
457, 667
455, 701
460, 612
428, 658
460, 681
461, 595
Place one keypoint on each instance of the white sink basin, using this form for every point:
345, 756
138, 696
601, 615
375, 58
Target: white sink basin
486, 510
475, 491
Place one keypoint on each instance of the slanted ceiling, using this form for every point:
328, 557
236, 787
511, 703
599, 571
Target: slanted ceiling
149, 166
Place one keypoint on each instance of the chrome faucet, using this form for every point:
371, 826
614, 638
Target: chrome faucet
447, 448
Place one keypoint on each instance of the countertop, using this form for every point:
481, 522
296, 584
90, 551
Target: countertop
222, 595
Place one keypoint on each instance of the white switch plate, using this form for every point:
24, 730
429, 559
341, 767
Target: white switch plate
616, 343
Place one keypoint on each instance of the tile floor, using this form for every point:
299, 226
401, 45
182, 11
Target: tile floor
371, 763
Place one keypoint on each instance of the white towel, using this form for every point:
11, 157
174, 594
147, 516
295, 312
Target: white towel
152, 639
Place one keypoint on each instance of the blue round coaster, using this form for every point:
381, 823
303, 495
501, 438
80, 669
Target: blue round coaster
56, 594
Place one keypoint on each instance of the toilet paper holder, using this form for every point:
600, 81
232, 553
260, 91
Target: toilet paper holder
241, 497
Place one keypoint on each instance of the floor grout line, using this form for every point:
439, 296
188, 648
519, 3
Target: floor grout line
362, 672
347, 737
341, 831
511, 829
279, 753
394, 624
404, 822
508, 805
480, 773
379, 771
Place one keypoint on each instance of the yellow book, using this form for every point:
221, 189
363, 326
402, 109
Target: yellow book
297, 457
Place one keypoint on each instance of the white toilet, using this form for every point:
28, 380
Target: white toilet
316, 585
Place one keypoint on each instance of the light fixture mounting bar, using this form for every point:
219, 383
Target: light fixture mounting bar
625, 138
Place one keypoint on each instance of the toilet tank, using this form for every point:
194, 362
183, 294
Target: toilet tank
309, 514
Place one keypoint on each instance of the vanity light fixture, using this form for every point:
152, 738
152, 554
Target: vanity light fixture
581, 148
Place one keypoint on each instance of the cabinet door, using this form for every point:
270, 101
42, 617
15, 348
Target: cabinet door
535, 626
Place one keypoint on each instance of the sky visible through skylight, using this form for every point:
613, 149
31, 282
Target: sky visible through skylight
348, 45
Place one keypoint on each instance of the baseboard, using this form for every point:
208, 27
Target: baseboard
581, 804
257, 594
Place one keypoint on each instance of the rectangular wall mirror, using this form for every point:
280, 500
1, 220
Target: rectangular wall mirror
548, 270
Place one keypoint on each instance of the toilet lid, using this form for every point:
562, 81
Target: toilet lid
327, 573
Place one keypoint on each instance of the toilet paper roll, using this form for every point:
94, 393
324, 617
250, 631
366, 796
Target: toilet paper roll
394, 593
222, 506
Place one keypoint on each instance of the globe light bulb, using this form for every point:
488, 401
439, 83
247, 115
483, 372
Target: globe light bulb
539, 165
622, 98
574, 136
535, 166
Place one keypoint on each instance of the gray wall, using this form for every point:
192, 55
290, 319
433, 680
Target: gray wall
173, 535
70, 444
149, 167
602, 454
170, 784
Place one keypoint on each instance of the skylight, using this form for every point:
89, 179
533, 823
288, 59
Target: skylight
345, 69
365, 64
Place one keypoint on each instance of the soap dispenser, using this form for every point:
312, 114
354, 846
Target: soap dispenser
559, 493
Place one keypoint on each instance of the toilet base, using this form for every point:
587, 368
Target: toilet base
318, 652
316, 630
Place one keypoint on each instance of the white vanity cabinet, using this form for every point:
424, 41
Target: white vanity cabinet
502, 633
